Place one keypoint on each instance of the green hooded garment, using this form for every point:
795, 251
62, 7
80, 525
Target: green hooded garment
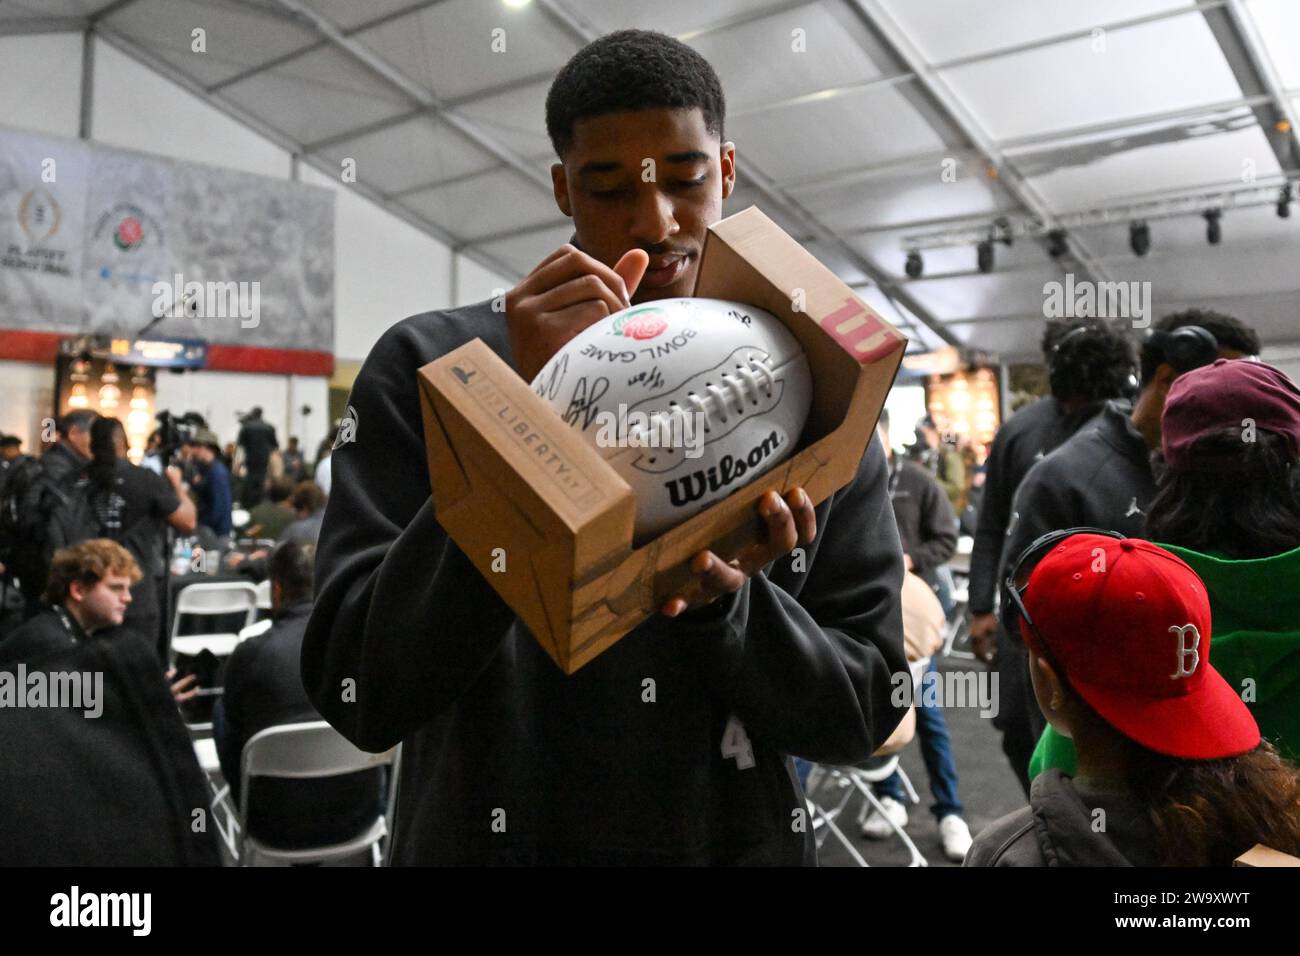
1255, 610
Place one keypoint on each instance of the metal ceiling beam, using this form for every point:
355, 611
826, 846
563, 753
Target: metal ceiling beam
826, 93
449, 181
86, 106
1083, 33
1149, 207
1119, 208
952, 112
1243, 48
128, 47
1125, 124
856, 174
109, 9
416, 93
290, 16
583, 33
34, 25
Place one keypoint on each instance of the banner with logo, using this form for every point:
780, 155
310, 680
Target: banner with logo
42, 231
97, 240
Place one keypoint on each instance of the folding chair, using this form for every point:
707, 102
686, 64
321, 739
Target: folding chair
858, 780
263, 595
212, 599
957, 629
307, 751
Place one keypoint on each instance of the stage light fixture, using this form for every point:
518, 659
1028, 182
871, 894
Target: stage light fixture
1056, 244
1139, 238
914, 266
984, 255
1213, 226
1002, 231
1284, 202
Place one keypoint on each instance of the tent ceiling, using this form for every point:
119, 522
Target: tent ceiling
1085, 115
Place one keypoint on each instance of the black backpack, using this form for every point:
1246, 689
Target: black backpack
26, 505
39, 515
79, 514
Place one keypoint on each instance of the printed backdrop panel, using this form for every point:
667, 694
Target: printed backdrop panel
42, 231
102, 240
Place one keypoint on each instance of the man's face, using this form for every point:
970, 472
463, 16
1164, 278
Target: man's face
653, 180
79, 439
10, 452
105, 604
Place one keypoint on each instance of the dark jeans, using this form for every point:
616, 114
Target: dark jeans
936, 751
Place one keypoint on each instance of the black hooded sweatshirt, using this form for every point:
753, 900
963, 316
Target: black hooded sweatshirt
671, 747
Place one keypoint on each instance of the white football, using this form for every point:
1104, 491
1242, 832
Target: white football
688, 400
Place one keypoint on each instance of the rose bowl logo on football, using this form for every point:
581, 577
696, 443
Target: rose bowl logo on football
640, 324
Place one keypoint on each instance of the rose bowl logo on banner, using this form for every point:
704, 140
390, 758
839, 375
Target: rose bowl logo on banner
129, 234
128, 227
641, 324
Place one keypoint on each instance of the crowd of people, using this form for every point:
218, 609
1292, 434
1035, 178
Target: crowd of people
85, 537
1129, 542
84, 486
1139, 520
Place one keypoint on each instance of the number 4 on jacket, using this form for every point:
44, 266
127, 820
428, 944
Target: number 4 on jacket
736, 745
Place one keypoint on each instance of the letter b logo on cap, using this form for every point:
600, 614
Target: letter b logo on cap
1184, 651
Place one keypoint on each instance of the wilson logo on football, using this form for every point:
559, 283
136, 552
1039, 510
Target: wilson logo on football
640, 324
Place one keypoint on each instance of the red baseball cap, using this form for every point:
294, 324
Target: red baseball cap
1222, 395
1129, 623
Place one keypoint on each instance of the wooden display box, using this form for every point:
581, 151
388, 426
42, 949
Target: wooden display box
549, 523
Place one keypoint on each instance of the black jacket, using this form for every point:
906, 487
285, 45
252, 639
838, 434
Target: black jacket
118, 789
50, 631
1024, 439
671, 747
61, 463
926, 525
1066, 824
1100, 478
263, 688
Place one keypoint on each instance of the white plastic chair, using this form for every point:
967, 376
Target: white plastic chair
263, 595
858, 780
213, 599
309, 751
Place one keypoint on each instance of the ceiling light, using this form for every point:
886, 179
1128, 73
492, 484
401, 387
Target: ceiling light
914, 266
1139, 238
1056, 244
1213, 229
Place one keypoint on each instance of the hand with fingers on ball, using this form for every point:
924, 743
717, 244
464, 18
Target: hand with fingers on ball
790, 522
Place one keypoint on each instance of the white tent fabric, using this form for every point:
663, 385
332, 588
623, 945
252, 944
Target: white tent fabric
866, 128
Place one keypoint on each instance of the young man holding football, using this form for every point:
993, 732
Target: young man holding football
506, 759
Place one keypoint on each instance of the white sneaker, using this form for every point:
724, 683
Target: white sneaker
956, 837
876, 827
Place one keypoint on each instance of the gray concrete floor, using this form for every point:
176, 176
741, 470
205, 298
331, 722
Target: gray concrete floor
987, 787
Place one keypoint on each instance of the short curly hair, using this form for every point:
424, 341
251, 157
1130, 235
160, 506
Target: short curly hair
87, 563
1091, 366
627, 71
1229, 332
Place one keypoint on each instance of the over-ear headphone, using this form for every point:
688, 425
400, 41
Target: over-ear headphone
1184, 348
1062, 349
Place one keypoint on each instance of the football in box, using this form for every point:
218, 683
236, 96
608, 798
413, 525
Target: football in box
548, 522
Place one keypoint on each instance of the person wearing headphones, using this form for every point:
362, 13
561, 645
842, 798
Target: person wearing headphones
1171, 769
1089, 362
1102, 478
